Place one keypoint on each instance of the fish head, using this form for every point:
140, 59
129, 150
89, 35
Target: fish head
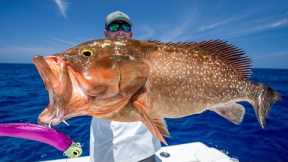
77, 77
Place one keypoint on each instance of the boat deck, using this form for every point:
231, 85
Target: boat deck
190, 152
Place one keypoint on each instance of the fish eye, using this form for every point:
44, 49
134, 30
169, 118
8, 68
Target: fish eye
87, 52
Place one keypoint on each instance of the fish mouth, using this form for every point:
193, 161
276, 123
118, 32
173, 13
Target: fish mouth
45, 71
53, 71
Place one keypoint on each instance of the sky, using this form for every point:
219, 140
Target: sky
44, 27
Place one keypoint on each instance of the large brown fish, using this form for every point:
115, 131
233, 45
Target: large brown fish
131, 80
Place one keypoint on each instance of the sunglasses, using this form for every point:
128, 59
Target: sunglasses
117, 26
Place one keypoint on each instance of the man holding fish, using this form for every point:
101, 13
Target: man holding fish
126, 80
112, 141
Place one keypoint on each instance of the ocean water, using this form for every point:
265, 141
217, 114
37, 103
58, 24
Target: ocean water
23, 97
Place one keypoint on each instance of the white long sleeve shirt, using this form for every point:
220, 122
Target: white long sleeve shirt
112, 141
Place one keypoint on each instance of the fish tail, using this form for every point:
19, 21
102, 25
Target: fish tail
263, 100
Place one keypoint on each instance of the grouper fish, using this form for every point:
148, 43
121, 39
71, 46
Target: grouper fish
133, 80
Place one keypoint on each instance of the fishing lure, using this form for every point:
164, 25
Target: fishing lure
42, 134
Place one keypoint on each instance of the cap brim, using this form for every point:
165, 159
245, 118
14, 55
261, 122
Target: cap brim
119, 19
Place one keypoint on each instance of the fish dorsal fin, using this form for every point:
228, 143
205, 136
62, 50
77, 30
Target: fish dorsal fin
229, 54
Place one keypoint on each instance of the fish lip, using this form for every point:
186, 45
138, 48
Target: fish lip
43, 69
49, 118
47, 74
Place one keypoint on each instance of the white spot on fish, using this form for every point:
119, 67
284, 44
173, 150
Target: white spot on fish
131, 57
105, 44
118, 43
95, 43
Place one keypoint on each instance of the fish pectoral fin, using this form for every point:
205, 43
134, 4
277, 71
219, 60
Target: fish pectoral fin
233, 112
162, 126
156, 126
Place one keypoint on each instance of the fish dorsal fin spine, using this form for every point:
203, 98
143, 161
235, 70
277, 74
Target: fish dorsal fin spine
155, 41
228, 53
182, 44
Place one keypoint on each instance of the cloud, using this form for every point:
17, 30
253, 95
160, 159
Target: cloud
271, 24
218, 24
177, 31
164, 32
62, 6
199, 25
279, 23
171, 30
262, 25
243, 24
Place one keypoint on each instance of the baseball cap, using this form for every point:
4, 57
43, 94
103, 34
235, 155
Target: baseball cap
117, 15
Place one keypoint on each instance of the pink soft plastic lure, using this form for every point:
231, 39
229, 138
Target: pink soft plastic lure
42, 134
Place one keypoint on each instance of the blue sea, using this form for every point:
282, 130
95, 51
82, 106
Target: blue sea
23, 97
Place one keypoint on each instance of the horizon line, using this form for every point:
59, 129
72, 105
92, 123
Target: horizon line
276, 68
